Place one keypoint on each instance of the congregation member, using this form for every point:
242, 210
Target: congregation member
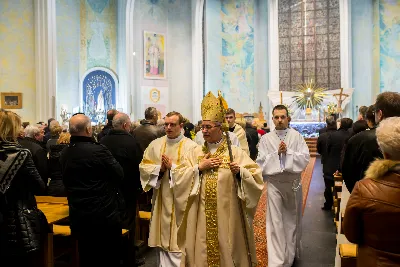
230, 117
216, 198
162, 155
110, 116
322, 148
362, 113
125, 150
47, 128
283, 155
370, 117
252, 139
148, 129
33, 142
362, 148
51, 135
92, 178
56, 186
372, 214
55, 131
23, 228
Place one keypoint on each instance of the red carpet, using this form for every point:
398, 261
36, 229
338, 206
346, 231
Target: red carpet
260, 217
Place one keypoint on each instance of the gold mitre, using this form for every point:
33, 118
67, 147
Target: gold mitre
213, 108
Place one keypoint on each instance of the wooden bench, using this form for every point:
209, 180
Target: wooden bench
52, 200
143, 226
348, 255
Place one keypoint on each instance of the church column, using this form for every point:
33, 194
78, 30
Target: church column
130, 65
345, 50
198, 59
45, 58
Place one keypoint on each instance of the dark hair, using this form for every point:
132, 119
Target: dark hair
363, 111
265, 124
230, 111
150, 113
346, 123
330, 122
110, 115
78, 114
280, 107
359, 126
174, 113
389, 104
370, 115
188, 127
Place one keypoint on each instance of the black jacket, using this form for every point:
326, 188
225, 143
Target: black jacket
360, 151
145, 134
336, 141
56, 186
19, 234
126, 151
252, 140
92, 178
104, 131
322, 143
39, 155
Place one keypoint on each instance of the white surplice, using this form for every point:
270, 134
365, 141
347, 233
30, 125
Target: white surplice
284, 193
199, 139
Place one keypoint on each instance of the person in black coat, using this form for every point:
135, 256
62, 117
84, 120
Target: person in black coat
22, 226
33, 142
126, 151
363, 148
56, 186
93, 178
322, 142
252, 140
110, 116
335, 143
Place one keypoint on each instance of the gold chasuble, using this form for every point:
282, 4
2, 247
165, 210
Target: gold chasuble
163, 230
210, 229
241, 135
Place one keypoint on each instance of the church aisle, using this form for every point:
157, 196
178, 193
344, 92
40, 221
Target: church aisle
319, 233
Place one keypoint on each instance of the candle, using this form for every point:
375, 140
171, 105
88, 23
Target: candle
281, 97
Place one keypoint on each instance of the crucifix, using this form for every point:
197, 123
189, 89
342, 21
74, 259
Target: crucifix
340, 100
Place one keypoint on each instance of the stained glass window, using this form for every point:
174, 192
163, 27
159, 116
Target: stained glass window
309, 43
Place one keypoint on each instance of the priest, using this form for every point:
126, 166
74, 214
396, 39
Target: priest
159, 158
216, 196
235, 128
283, 155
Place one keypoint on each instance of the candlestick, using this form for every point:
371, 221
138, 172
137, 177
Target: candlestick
281, 97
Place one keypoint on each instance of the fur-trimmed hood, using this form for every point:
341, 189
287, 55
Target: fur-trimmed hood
380, 167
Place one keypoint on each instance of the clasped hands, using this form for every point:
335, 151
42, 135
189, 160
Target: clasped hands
282, 148
166, 163
209, 163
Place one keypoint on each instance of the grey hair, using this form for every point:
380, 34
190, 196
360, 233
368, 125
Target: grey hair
388, 137
119, 120
53, 124
79, 127
31, 130
150, 113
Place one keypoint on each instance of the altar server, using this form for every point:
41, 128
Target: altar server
159, 158
283, 155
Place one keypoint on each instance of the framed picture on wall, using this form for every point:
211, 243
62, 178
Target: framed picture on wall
11, 100
154, 59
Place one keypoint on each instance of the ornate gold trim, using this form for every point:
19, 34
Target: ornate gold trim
213, 258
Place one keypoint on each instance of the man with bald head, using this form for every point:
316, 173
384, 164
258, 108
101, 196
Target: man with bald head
126, 151
92, 178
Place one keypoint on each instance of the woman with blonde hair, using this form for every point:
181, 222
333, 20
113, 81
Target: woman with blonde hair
56, 186
373, 211
22, 225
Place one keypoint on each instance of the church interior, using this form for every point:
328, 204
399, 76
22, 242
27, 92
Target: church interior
322, 60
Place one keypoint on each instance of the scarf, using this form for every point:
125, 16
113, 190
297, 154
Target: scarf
12, 157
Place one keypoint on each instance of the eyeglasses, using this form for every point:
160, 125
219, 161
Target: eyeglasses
208, 127
170, 124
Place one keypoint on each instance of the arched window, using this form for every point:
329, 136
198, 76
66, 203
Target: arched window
309, 43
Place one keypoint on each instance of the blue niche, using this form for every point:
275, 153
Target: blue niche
98, 94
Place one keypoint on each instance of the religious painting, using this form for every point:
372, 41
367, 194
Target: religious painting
98, 93
237, 53
154, 60
11, 100
389, 37
157, 97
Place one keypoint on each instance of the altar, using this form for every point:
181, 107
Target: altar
308, 129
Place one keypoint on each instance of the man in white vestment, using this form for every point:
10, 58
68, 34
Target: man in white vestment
159, 158
283, 155
230, 117
216, 198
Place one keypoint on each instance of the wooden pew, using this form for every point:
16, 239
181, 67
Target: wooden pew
53, 200
348, 255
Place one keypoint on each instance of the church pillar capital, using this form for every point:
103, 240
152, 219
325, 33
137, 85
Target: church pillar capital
45, 58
